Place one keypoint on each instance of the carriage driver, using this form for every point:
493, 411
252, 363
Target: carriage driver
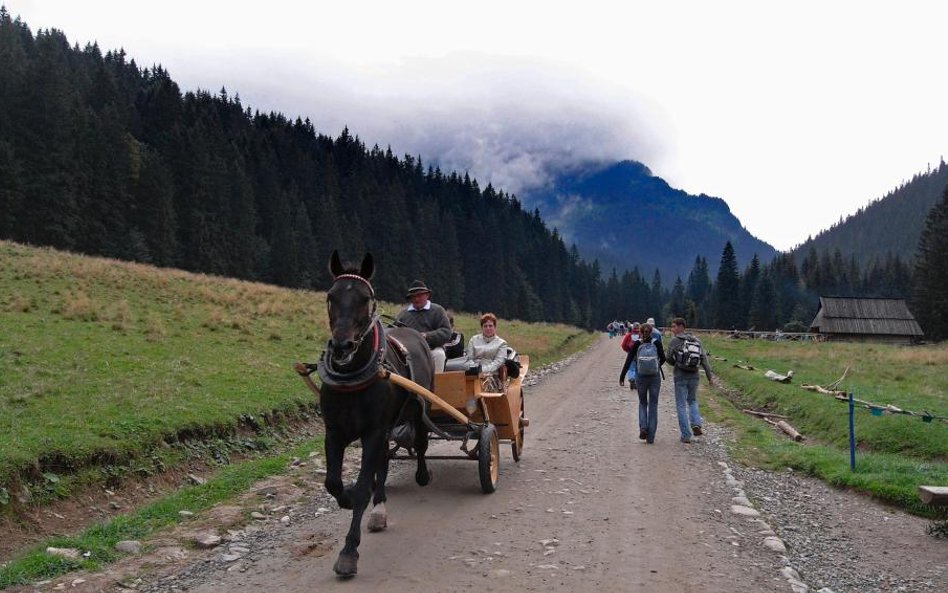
428, 318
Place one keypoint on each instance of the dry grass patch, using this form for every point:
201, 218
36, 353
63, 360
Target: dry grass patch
79, 306
19, 303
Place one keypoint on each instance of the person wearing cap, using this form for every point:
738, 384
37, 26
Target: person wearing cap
429, 319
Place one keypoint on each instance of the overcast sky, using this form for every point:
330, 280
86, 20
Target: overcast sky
795, 115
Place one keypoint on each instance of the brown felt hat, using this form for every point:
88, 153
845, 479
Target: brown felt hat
417, 287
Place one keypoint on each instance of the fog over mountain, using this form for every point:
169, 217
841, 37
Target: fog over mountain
514, 124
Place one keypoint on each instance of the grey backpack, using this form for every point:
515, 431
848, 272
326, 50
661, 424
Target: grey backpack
646, 359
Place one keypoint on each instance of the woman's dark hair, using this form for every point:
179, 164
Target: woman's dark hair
646, 330
488, 317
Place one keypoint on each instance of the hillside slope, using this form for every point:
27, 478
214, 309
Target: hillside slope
892, 224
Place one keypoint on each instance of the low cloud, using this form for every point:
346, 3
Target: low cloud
511, 123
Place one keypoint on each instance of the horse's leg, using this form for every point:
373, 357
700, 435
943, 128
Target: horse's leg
378, 517
334, 452
360, 494
422, 475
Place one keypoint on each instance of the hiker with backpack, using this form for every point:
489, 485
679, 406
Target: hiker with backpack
688, 356
646, 358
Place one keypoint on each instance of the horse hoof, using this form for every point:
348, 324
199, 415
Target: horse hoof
346, 567
378, 518
345, 500
423, 478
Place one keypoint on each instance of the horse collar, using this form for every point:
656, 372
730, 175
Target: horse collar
361, 378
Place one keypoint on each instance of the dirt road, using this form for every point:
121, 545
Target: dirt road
626, 516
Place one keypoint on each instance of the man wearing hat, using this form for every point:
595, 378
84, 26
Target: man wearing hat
429, 319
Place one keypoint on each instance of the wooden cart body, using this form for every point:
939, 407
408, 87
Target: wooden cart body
503, 409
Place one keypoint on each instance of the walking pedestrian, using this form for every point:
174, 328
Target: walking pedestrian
648, 358
687, 355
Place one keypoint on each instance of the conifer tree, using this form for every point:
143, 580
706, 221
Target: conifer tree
727, 310
930, 297
748, 285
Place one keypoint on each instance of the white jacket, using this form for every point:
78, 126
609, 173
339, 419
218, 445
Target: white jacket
490, 353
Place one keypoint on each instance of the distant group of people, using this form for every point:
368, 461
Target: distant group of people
618, 328
436, 326
643, 369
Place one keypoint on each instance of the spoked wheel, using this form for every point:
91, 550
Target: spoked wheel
488, 458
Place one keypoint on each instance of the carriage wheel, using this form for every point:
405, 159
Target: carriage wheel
516, 446
488, 458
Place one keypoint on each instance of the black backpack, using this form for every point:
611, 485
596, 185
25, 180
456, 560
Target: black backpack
689, 355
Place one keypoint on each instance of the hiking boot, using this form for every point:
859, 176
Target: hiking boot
686, 440
697, 430
643, 434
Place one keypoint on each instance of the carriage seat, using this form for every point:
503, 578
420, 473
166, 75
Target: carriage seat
462, 364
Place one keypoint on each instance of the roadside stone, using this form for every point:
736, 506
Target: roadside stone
195, 479
207, 541
267, 491
775, 544
285, 520
789, 573
129, 547
744, 511
185, 514
258, 516
67, 553
741, 500
230, 557
499, 573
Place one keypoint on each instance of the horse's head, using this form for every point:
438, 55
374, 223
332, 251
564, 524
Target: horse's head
351, 303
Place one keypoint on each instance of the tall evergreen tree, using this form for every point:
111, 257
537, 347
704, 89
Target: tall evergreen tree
727, 310
930, 298
748, 285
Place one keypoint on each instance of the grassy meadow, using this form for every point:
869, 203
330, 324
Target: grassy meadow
895, 453
102, 361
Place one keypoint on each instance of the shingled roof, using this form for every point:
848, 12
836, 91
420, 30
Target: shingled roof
879, 316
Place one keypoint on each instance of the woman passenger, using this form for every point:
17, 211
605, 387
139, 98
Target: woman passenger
489, 350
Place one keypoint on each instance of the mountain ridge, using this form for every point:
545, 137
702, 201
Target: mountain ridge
601, 204
867, 234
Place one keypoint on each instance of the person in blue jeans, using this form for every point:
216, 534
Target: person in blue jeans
648, 379
688, 356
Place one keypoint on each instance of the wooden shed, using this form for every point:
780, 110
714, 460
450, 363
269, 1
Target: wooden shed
866, 320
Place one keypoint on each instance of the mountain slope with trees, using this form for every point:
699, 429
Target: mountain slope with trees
888, 227
617, 213
102, 157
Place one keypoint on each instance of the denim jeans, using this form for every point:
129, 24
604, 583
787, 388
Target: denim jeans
648, 387
686, 400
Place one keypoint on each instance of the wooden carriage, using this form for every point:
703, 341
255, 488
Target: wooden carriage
461, 409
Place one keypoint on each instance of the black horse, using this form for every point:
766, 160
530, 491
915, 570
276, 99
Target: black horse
357, 403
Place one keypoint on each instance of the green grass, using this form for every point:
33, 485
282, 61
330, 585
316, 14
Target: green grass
895, 453
99, 540
100, 360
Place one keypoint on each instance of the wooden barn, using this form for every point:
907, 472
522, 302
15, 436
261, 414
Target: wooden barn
866, 320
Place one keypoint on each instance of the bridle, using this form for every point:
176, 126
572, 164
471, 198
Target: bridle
373, 317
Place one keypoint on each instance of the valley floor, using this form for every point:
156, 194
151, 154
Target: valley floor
589, 507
